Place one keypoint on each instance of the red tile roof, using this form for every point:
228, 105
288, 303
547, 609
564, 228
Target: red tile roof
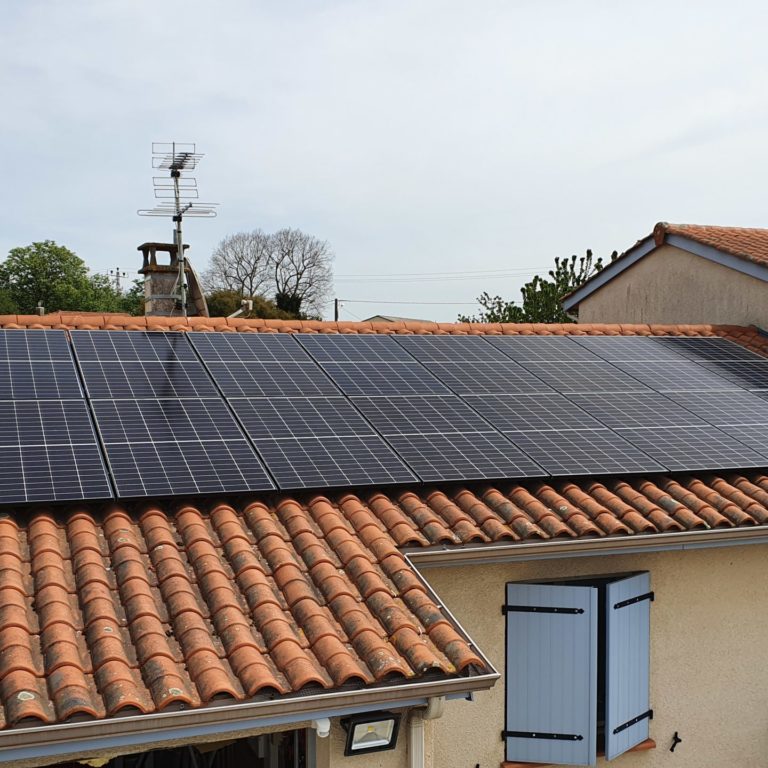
746, 243
106, 613
111, 609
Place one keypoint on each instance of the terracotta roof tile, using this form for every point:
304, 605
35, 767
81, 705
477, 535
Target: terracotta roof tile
744, 242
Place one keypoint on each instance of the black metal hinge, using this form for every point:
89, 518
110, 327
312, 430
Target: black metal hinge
538, 735
505, 609
633, 600
630, 723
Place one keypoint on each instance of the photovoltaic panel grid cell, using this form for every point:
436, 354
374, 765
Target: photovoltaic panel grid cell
637, 409
464, 456
420, 415
132, 345
34, 345
478, 377
542, 349
39, 380
683, 376
353, 348
752, 435
705, 348
689, 448
289, 378
248, 347
138, 378
49, 452
616, 349
333, 461
436, 349
584, 452
746, 374
725, 408
574, 377
298, 417
173, 447
532, 413
384, 379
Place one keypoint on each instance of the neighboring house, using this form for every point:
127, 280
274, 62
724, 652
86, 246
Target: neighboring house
681, 273
547, 609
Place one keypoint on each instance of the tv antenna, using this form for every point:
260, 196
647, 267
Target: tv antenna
179, 197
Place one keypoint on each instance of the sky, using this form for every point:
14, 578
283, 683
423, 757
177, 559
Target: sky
442, 148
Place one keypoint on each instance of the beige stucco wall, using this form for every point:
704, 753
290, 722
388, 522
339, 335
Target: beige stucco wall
670, 285
709, 671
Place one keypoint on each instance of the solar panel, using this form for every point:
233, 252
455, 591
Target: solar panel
584, 452
167, 447
466, 456
420, 415
752, 435
384, 379
542, 348
627, 348
133, 345
722, 408
247, 347
34, 345
749, 374
574, 377
298, 417
532, 412
39, 380
450, 348
702, 348
333, 461
271, 379
636, 409
188, 467
473, 378
683, 376
689, 448
49, 452
364, 347
147, 379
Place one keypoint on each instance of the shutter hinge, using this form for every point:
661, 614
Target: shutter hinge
623, 727
505, 609
538, 735
633, 600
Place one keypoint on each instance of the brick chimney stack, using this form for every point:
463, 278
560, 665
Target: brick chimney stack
161, 292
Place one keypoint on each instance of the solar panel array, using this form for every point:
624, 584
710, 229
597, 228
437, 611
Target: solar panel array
48, 447
308, 434
164, 427
196, 413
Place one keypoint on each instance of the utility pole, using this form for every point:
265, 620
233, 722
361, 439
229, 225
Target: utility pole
336, 310
117, 274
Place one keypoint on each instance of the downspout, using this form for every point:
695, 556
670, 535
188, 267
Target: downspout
416, 750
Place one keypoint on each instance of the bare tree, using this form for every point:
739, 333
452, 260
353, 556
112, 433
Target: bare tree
243, 263
301, 271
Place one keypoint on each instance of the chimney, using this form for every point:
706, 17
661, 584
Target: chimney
162, 294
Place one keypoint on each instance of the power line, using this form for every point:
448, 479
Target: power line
521, 270
444, 303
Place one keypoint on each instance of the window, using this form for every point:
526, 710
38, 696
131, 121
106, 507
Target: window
577, 663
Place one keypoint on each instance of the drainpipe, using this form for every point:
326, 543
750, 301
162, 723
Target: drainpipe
434, 709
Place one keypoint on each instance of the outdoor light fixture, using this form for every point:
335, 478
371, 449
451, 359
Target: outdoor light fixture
370, 732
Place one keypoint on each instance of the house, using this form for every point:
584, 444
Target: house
681, 273
268, 628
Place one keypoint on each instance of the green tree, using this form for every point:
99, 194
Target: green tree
223, 303
53, 276
542, 296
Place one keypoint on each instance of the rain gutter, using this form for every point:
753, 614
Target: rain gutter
485, 554
122, 733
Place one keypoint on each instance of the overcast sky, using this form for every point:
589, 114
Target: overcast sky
416, 137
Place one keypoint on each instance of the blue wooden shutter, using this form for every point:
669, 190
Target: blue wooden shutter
627, 699
551, 674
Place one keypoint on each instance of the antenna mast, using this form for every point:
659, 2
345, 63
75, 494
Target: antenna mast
179, 193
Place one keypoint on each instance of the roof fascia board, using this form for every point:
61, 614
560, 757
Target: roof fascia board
709, 253
605, 275
121, 733
549, 550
